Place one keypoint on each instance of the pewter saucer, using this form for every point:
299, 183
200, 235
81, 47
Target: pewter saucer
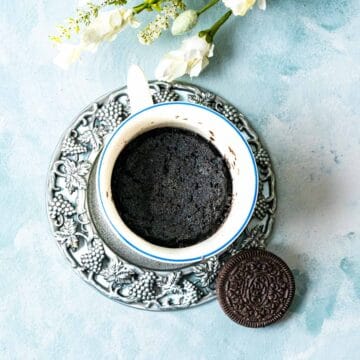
96, 253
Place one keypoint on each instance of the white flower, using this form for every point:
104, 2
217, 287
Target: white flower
184, 22
241, 7
154, 29
192, 57
68, 54
106, 27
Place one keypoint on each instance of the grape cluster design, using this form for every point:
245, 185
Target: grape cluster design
165, 96
262, 158
143, 289
191, 293
92, 260
71, 147
262, 208
111, 115
60, 206
230, 113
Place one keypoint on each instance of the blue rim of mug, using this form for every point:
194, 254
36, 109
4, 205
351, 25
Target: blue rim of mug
243, 225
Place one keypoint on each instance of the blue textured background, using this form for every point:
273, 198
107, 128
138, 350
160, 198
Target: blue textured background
295, 71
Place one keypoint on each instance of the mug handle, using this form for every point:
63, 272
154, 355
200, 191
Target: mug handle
138, 89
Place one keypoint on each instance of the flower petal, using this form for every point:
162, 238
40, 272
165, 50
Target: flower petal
262, 4
191, 58
239, 7
106, 27
68, 54
171, 67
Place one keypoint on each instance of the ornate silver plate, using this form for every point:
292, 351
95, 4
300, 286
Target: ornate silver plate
138, 283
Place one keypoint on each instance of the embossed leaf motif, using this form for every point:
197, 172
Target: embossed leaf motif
255, 238
207, 272
118, 274
203, 98
67, 235
92, 137
171, 283
74, 174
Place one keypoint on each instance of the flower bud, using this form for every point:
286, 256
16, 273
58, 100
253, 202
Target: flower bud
184, 22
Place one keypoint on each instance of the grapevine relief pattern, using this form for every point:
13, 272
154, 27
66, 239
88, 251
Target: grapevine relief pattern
88, 253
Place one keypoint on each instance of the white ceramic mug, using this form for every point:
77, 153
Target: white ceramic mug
229, 142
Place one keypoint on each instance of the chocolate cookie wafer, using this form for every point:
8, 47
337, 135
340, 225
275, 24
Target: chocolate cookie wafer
255, 288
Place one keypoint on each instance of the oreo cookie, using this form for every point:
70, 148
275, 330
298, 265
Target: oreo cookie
255, 288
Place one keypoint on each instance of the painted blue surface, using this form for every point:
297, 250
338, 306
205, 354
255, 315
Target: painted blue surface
295, 71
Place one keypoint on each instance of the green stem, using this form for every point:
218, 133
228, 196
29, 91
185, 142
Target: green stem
210, 4
220, 22
139, 8
210, 33
148, 4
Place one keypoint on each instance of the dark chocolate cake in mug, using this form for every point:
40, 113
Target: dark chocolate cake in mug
171, 187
